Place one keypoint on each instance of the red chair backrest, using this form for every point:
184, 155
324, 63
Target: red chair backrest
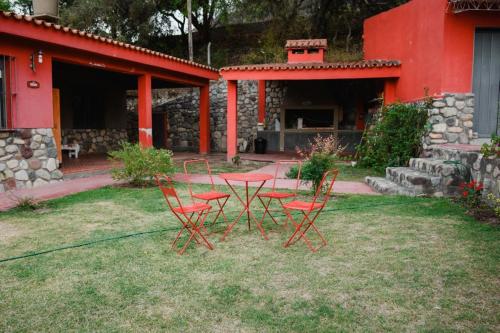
167, 188
281, 164
208, 170
332, 174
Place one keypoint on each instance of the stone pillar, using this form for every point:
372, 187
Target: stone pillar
451, 118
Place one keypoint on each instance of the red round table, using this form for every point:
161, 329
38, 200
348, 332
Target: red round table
246, 178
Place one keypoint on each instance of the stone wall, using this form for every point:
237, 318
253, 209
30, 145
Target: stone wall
183, 116
451, 118
95, 140
28, 158
275, 96
483, 169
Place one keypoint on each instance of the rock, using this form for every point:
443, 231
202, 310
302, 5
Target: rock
450, 101
51, 164
12, 164
439, 128
37, 138
26, 152
466, 116
39, 182
468, 123
57, 174
449, 112
11, 149
3, 166
451, 137
460, 105
433, 135
23, 165
25, 134
42, 173
438, 104
3, 143
455, 129
21, 175
34, 164
18, 141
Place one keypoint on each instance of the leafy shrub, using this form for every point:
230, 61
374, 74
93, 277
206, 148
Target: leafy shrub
320, 157
140, 164
494, 203
471, 194
492, 149
394, 137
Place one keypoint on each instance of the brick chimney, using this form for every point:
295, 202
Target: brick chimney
306, 50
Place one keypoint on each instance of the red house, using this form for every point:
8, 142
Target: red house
446, 49
58, 83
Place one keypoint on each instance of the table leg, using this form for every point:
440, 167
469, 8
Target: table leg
248, 206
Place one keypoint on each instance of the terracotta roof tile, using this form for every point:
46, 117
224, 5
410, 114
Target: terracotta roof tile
306, 43
300, 66
83, 34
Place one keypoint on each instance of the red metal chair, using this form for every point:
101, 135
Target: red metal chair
185, 214
310, 211
273, 194
211, 195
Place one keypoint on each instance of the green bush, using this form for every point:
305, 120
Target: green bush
140, 164
313, 168
394, 137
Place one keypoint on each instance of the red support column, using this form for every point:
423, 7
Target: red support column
389, 91
205, 119
144, 103
262, 101
232, 119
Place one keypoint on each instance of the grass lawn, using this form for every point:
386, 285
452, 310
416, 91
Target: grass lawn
392, 264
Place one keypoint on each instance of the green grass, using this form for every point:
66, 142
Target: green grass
355, 174
392, 264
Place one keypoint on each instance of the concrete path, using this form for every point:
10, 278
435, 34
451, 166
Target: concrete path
9, 200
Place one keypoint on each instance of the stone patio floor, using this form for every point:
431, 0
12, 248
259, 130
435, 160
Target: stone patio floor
67, 187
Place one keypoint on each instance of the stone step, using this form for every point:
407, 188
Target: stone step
385, 186
418, 181
434, 167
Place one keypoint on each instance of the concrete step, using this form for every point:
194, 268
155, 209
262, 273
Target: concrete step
434, 167
385, 186
417, 181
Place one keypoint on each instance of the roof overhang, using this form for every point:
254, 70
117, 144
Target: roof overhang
67, 39
373, 69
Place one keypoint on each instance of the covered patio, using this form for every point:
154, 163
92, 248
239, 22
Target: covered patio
320, 93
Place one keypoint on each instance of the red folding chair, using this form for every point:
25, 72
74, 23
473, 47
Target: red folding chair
310, 211
213, 194
273, 194
185, 214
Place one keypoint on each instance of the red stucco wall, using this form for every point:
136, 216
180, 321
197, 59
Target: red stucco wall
435, 46
32, 108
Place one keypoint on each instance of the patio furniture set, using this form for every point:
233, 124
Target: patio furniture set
193, 216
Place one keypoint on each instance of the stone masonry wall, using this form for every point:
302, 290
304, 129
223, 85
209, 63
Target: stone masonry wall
95, 140
183, 116
451, 119
275, 95
483, 169
28, 158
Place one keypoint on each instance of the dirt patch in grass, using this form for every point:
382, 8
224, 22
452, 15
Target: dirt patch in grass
8, 231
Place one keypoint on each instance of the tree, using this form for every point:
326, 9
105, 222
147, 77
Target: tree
4, 5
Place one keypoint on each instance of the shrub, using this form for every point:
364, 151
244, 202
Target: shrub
492, 149
470, 194
320, 157
394, 137
140, 164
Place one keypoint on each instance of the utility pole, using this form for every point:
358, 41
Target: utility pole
190, 31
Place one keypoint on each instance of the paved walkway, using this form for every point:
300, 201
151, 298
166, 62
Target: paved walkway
67, 187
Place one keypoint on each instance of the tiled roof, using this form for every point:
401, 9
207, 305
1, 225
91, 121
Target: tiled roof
83, 34
306, 43
301, 66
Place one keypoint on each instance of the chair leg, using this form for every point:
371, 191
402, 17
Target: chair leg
298, 226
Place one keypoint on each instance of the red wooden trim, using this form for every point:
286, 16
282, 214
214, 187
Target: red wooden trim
389, 91
144, 103
232, 119
68, 40
312, 74
262, 101
205, 119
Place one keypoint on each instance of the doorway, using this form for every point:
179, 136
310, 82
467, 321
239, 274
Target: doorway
486, 82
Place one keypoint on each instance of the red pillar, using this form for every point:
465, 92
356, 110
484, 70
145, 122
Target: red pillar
144, 103
262, 101
232, 119
205, 119
389, 91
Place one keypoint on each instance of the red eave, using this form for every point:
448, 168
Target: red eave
366, 69
27, 27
